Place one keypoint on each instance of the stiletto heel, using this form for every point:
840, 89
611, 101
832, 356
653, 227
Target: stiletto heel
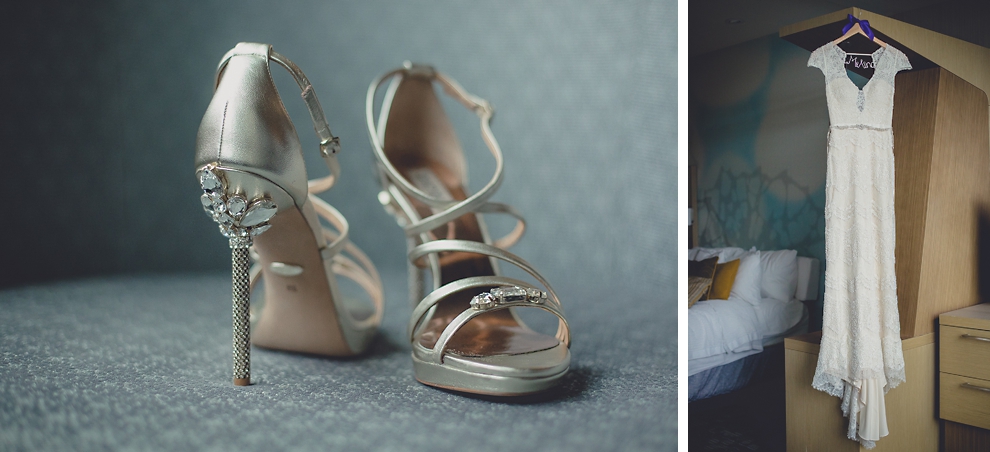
250, 167
465, 334
239, 221
242, 306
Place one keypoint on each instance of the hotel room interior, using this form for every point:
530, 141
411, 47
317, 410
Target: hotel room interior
758, 123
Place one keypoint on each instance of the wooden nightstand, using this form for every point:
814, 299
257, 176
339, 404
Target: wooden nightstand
964, 377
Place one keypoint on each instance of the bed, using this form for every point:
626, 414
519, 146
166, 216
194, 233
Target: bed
727, 338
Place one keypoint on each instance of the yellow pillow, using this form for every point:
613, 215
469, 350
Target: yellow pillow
725, 276
697, 287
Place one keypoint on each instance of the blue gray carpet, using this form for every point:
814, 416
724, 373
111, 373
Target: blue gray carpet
143, 363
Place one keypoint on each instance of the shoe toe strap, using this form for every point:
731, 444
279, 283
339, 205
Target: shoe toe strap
550, 303
506, 241
421, 311
470, 246
440, 348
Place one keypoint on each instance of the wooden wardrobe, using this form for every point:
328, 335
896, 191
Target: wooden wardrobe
941, 127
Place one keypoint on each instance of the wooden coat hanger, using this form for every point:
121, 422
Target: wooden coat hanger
853, 28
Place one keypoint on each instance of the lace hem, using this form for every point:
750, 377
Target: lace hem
831, 383
849, 392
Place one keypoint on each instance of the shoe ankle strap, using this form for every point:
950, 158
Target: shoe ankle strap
329, 144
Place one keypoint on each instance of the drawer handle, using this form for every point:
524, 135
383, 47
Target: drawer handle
976, 338
978, 388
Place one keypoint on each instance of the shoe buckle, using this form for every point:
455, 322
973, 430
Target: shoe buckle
330, 146
482, 107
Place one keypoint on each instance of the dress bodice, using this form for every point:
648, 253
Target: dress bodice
850, 106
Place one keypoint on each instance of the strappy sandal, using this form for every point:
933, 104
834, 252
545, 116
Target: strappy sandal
465, 334
250, 166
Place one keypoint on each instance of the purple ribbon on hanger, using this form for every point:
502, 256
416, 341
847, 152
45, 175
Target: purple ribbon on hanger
864, 24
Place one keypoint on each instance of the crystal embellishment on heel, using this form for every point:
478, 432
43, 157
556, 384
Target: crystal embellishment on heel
239, 221
232, 212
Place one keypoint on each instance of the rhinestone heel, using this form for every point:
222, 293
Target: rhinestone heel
250, 166
465, 334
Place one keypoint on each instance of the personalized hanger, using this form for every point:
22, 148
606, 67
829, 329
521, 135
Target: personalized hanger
856, 26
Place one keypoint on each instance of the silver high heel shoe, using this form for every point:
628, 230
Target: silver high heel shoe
465, 334
250, 165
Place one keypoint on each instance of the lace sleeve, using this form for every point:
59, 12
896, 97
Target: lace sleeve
901, 63
817, 59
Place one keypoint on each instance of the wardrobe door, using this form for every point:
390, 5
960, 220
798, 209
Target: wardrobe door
942, 194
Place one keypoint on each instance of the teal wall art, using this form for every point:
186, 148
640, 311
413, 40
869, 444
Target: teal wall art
758, 129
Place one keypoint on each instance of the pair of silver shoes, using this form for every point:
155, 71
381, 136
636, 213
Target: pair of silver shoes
464, 334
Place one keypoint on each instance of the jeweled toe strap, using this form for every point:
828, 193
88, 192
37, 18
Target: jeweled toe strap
471, 283
505, 295
493, 303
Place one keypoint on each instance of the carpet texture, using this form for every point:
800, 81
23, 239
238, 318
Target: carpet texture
143, 363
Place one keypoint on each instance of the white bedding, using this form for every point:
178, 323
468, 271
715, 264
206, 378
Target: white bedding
723, 331
781, 319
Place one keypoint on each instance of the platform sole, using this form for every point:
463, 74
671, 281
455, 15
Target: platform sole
446, 377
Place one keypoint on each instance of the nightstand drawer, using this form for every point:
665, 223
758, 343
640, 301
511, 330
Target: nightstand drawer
964, 351
964, 400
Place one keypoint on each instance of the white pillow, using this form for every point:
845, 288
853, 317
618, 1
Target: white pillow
748, 278
724, 254
779, 270
701, 254
730, 254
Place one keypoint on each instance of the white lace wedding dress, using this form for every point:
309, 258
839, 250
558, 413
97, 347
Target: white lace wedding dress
860, 358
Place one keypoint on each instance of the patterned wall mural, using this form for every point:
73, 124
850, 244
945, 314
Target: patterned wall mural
758, 124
